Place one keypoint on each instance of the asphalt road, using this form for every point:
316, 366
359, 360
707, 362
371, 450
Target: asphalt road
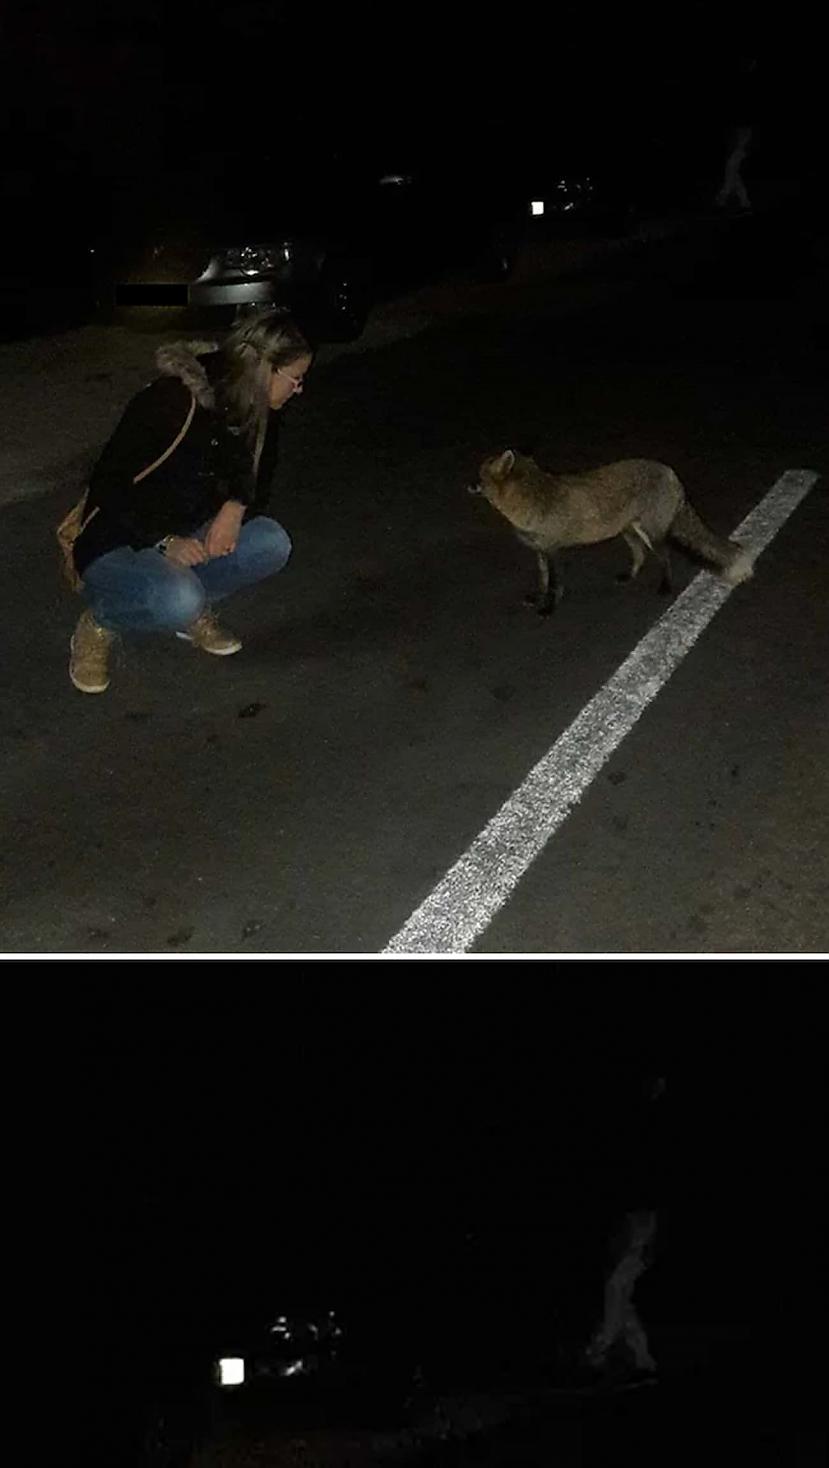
306, 795
681, 1423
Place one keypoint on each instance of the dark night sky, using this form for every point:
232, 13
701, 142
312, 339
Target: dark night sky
96, 82
115, 113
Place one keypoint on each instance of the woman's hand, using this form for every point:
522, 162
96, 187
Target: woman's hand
223, 534
182, 550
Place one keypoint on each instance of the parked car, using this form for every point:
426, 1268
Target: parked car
291, 1348
327, 241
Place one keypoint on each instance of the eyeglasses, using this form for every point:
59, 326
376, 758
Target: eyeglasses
297, 383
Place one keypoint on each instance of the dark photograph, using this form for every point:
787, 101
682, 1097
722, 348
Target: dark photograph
413, 484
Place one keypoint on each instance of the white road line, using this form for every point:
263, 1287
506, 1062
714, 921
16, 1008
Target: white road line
463, 904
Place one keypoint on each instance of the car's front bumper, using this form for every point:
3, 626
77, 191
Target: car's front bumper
234, 293
128, 294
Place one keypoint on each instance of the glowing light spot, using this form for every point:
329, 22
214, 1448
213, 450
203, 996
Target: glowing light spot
231, 1371
537, 206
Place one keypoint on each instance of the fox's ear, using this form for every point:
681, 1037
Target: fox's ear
504, 464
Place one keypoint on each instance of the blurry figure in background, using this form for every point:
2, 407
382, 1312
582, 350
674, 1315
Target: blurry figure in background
618, 1349
733, 192
620, 1341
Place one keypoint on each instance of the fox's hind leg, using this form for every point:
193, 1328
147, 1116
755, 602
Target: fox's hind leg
634, 545
636, 539
663, 556
550, 589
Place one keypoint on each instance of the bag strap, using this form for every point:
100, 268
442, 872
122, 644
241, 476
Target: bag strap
81, 505
174, 445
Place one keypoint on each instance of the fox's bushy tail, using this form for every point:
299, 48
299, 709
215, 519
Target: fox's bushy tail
734, 562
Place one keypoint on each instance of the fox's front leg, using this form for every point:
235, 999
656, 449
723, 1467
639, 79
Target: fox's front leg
550, 589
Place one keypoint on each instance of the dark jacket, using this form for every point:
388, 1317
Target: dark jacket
212, 463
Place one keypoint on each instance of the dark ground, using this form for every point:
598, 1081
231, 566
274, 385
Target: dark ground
307, 794
683, 1426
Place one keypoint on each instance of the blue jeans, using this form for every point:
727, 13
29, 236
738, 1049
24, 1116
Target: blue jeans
141, 591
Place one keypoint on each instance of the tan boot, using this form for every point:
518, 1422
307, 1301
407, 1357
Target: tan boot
89, 660
209, 636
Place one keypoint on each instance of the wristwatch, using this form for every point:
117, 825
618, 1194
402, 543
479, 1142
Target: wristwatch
161, 545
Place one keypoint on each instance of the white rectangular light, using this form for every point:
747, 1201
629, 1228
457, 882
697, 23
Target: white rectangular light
537, 206
231, 1371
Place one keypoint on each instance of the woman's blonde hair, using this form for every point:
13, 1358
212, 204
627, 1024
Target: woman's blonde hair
255, 345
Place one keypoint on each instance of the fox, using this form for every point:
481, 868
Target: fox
642, 501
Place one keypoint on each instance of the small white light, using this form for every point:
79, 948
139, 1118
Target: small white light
231, 1371
537, 206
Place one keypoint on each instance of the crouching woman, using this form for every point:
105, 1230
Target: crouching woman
173, 520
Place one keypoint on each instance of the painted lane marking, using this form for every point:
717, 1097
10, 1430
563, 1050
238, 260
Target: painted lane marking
465, 901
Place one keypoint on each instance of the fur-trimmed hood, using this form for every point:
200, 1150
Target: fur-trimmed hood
183, 360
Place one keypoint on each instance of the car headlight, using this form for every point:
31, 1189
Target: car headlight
231, 1371
256, 259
